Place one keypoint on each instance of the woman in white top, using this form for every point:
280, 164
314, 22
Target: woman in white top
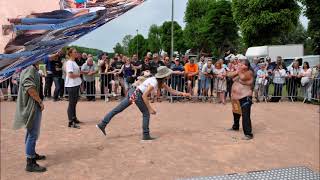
279, 75
72, 84
139, 96
306, 82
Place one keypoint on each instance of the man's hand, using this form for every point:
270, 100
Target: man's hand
152, 111
186, 94
41, 106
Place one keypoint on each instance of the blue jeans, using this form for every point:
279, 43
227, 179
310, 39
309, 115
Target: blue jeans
42, 20
57, 84
33, 133
70, 23
126, 103
205, 83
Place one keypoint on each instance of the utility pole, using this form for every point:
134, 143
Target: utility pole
137, 44
172, 15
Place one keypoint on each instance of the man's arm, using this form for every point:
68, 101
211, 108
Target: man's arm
174, 92
35, 95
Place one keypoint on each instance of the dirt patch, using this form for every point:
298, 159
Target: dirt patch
191, 141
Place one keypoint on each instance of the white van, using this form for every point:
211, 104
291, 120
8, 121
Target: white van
313, 60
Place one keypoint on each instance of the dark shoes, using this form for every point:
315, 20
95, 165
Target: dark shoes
77, 121
40, 157
233, 129
147, 137
247, 137
102, 129
32, 166
73, 125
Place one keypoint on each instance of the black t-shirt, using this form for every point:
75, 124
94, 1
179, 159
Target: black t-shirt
80, 61
117, 65
154, 66
56, 68
138, 63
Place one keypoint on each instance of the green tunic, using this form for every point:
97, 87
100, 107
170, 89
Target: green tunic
25, 110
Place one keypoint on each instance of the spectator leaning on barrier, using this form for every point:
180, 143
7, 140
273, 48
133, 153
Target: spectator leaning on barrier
293, 80
118, 76
201, 63
177, 77
89, 71
129, 74
306, 82
103, 63
206, 77
261, 82
279, 75
191, 71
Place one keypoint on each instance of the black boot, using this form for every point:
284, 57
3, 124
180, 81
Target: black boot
147, 137
40, 157
32, 166
77, 121
73, 125
102, 128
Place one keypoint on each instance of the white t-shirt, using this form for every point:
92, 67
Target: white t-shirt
72, 66
150, 81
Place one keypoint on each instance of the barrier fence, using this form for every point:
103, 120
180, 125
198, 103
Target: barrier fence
109, 87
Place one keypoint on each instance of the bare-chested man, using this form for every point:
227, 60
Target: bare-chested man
241, 95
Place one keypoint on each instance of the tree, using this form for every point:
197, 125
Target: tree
195, 33
312, 11
118, 49
264, 21
154, 41
222, 30
297, 35
177, 37
142, 44
125, 44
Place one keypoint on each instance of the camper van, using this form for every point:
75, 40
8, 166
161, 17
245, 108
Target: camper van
313, 60
290, 50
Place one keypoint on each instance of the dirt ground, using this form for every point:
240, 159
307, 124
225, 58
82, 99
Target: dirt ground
192, 140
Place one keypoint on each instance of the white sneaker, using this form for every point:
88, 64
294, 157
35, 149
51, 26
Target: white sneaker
113, 94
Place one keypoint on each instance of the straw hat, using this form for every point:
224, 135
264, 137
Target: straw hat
163, 72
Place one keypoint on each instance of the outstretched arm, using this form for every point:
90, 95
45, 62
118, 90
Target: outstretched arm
175, 92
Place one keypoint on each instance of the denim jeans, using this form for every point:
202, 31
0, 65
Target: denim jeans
57, 84
126, 103
48, 85
33, 133
73, 100
70, 23
245, 104
42, 20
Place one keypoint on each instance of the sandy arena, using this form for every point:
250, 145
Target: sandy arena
192, 140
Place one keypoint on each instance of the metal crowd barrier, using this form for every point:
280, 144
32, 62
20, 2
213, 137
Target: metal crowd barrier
204, 89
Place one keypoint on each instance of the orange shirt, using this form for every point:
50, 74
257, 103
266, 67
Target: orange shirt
191, 68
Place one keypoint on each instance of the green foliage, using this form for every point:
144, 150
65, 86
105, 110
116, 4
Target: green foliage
210, 26
142, 44
264, 21
154, 39
298, 35
177, 37
118, 49
125, 44
313, 13
94, 52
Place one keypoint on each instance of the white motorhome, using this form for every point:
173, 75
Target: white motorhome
313, 60
290, 50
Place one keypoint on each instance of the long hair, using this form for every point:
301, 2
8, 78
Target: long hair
160, 82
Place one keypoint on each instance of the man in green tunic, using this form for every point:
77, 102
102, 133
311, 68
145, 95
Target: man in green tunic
28, 114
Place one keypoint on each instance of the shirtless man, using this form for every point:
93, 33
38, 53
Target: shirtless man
241, 96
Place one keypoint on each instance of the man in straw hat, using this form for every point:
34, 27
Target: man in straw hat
241, 96
139, 96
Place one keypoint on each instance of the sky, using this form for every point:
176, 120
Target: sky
141, 18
